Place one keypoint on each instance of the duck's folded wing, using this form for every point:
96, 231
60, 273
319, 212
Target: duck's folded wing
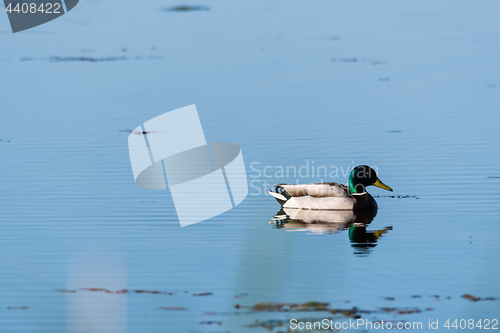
317, 190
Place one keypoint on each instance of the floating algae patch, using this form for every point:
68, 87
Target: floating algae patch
273, 306
272, 323
88, 59
349, 60
359, 60
173, 308
202, 294
72, 291
211, 322
186, 8
24, 307
353, 312
145, 291
314, 324
477, 298
402, 310
93, 289
119, 291
398, 196
138, 133
471, 297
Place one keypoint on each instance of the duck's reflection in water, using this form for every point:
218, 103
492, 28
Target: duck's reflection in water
333, 221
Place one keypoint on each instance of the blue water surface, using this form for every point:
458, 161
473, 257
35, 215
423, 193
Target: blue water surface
411, 88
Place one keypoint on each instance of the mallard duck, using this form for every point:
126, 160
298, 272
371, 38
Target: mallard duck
332, 195
333, 221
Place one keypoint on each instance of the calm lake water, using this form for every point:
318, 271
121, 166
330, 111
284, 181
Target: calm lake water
412, 89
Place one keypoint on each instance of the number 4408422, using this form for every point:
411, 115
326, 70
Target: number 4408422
485, 324
47, 8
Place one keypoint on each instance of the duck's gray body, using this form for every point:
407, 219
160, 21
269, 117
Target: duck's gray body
321, 196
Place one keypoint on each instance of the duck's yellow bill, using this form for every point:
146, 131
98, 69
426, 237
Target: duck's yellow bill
379, 183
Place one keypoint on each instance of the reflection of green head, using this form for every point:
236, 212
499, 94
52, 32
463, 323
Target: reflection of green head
363, 176
363, 240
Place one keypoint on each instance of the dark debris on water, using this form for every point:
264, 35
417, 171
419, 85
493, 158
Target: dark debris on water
211, 322
353, 312
272, 324
138, 132
138, 291
186, 8
435, 297
72, 291
275, 323
89, 59
439, 298
24, 307
119, 291
358, 60
145, 291
477, 298
404, 310
202, 294
273, 306
173, 308
397, 196
96, 59
282, 325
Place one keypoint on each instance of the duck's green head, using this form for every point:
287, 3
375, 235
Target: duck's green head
363, 176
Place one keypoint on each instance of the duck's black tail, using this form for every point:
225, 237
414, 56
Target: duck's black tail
280, 194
